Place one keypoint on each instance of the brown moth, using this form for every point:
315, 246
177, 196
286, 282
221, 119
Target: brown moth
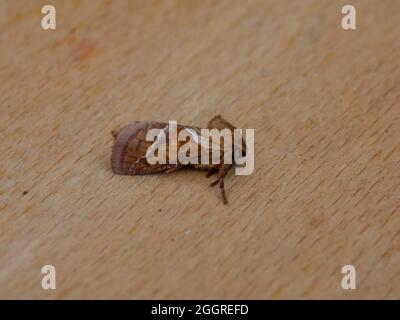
130, 149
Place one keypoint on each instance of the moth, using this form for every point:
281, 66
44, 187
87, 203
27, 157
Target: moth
130, 151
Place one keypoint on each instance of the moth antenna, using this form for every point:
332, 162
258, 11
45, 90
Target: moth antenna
115, 133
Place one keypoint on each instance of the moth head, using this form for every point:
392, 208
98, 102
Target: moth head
218, 122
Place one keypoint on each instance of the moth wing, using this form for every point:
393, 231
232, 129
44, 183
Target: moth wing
128, 155
203, 146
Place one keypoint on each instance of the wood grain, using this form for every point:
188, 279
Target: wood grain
324, 103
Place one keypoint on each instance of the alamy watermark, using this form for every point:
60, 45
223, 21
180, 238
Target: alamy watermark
194, 146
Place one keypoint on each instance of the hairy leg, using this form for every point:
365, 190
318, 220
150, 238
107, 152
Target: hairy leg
212, 171
222, 172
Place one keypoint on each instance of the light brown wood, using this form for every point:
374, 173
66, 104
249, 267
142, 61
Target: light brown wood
324, 103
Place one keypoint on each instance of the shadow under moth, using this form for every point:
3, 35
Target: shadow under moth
133, 153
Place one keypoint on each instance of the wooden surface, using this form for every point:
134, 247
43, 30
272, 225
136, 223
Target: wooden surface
324, 103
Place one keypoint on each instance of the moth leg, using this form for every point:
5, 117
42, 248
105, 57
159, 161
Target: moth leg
172, 169
212, 171
222, 188
222, 172
220, 123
